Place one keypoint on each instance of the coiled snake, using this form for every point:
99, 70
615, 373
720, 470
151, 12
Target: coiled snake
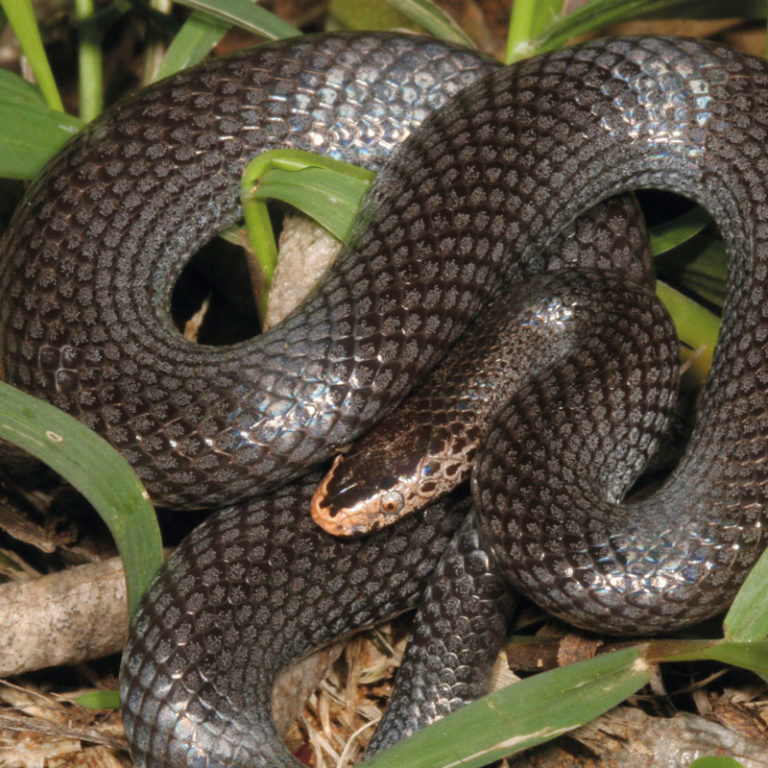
468, 202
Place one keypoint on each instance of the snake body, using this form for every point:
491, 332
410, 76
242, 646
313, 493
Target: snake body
471, 199
140, 190
411, 457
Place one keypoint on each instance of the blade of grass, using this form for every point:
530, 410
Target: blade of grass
670, 234
748, 655
523, 715
696, 327
193, 43
246, 15
30, 132
600, 13
154, 47
747, 619
706, 271
99, 700
328, 190
323, 195
366, 14
434, 20
89, 61
16, 90
549, 704
527, 20
22, 18
328, 194
97, 470
703, 287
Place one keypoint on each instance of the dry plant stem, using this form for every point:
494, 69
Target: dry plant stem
63, 618
306, 251
81, 614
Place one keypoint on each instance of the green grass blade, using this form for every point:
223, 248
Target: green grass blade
546, 705
246, 15
527, 20
99, 700
328, 194
90, 63
30, 132
673, 233
327, 198
97, 470
193, 43
715, 762
327, 190
748, 655
15, 89
696, 327
600, 13
22, 18
752, 656
747, 619
706, 273
366, 14
704, 287
523, 715
434, 20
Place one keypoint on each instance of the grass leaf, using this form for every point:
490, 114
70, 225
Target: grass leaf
90, 61
99, 700
327, 190
696, 327
716, 762
434, 20
97, 470
596, 14
193, 43
523, 715
748, 655
246, 15
30, 132
527, 20
22, 18
747, 619
673, 233
368, 15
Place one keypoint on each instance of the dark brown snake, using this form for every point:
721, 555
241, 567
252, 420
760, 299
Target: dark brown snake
426, 447
467, 203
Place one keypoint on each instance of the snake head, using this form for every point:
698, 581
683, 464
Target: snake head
347, 507
396, 469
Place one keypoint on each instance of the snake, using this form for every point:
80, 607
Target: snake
484, 167
410, 457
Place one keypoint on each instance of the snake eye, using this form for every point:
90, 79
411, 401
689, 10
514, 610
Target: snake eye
391, 502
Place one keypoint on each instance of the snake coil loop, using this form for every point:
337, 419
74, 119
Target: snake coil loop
470, 200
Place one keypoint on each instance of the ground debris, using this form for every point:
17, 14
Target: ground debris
630, 738
42, 730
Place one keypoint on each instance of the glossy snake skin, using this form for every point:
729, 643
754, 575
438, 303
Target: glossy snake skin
411, 457
469, 201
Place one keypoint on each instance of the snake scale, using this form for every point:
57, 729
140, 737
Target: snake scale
502, 161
